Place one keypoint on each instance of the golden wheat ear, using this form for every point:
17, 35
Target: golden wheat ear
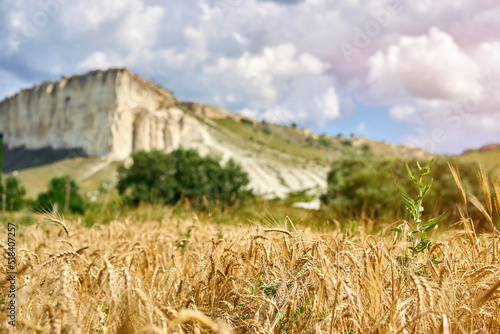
485, 185
57, 219
456, 177
496, 188
59, 255
487, 214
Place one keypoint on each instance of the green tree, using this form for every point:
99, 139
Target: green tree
157, 177
15, 193
57, 194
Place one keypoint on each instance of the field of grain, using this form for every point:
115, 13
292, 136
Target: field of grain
191, 276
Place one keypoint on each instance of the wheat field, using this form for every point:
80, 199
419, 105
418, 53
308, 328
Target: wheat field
195, 277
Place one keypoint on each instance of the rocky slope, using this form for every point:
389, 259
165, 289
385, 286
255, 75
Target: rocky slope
110, 114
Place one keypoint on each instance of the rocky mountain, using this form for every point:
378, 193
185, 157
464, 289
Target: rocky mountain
112, 113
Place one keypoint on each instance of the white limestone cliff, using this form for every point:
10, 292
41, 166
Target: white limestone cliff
115, 112
106, 113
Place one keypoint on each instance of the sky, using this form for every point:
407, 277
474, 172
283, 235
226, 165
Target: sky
424, 73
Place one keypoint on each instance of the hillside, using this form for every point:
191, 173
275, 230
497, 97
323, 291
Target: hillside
91, 174
119, 113
488, 156
255, 144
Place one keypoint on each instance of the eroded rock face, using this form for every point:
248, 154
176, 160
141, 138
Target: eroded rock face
106, 113
115, 112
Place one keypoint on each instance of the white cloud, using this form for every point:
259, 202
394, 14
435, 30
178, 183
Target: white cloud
361, 127
140, 28
272, 58
326, 106
197, 42
259, 76
91, 14
445, 92
404, 113
440, 124
249, 113
329, 104
426, 66
98, 60
278, 114
488, 56
442, 132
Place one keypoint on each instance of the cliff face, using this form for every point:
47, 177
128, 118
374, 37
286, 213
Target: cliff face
113, 113
105, 113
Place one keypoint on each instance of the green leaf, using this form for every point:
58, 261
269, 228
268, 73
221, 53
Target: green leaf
398, 230
408, 200
435, 261
427, 188
428, 227
409, 172
421, 246
435, 220
432, 222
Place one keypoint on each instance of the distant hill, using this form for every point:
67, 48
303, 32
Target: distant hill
485, 148
487, 155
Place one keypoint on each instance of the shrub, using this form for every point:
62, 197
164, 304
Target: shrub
325, 142
157, 177
347, 142
355, 182
266, 131
246, 121
15, 193
57, 194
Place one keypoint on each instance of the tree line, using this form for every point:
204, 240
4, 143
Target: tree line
206, 182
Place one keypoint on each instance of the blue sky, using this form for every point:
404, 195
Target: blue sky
369, 121
421, 73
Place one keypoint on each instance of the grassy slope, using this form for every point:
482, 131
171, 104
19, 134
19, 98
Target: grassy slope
322, 149
35, 179
281, 138
490, 160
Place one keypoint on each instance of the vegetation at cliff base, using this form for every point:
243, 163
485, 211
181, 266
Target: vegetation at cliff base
57, 195
156, 177
356, 182
14, 192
